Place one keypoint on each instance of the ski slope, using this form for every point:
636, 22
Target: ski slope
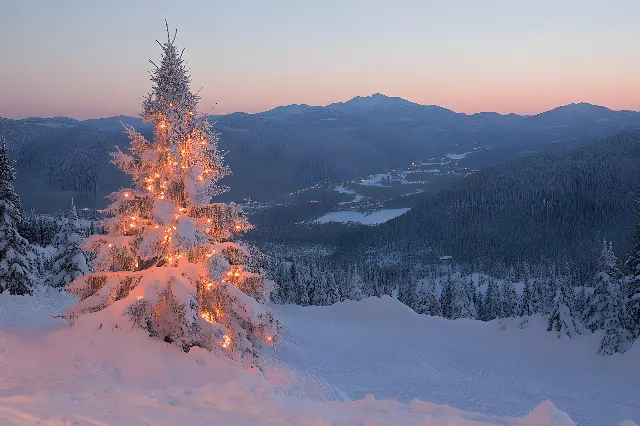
354, 363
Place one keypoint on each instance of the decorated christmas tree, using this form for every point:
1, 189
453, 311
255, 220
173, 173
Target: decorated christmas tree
69, 262
15, 272
169, 263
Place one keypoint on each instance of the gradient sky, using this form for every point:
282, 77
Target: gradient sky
90, 58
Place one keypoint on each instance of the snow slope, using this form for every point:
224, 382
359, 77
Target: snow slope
381, 347
51, 374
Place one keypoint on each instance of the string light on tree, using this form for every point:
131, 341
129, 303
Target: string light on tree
169, 243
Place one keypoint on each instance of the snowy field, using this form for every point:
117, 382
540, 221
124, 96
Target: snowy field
375, 218
458, 156
381, 347
356, 197
354, 363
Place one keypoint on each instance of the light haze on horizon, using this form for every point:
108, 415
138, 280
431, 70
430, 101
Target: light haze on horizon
87, 59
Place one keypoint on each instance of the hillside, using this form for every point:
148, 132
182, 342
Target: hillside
369, 362
295, 146
553, 205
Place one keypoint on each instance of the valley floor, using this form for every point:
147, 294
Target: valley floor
366, 362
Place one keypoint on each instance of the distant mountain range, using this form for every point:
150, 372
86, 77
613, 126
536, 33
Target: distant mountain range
291, 147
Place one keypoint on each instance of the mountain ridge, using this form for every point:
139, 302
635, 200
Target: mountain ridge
373, 100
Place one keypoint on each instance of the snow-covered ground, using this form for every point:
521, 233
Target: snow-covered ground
356, 197
374, 218
381, 347
53, 374
458, 156
381, 179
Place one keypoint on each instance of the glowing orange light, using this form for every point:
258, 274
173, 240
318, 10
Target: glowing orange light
226, 343
268, 339
133, 218
132, 225
126, 195
162, 125
237, 274
157, 226
110, 245
157, 175
238, 227
229, 273
208, 317
140, 297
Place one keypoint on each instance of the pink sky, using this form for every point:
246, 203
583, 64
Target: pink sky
90, 59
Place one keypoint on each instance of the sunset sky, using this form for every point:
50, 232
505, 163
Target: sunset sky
90, 59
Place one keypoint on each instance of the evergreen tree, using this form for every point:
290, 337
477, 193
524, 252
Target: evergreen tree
526, 307
69, 262
616, 337
580, 303
332, 290
408, 291
463, 306
509, 300
632, 265
561, 319
15, 271
448, 298
169, 263
607, 272
492, 303
428, 301
356, 285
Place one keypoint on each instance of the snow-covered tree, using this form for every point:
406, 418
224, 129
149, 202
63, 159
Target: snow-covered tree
562, 320
408, 291
580, 302
509, 300
448, 297
15, 271
69, 262
428, 301
632, 266
526, 307
356, 284
464, 306
169, 263
616, 337
607, 272
492, 302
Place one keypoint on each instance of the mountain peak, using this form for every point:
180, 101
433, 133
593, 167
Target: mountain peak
373, 101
